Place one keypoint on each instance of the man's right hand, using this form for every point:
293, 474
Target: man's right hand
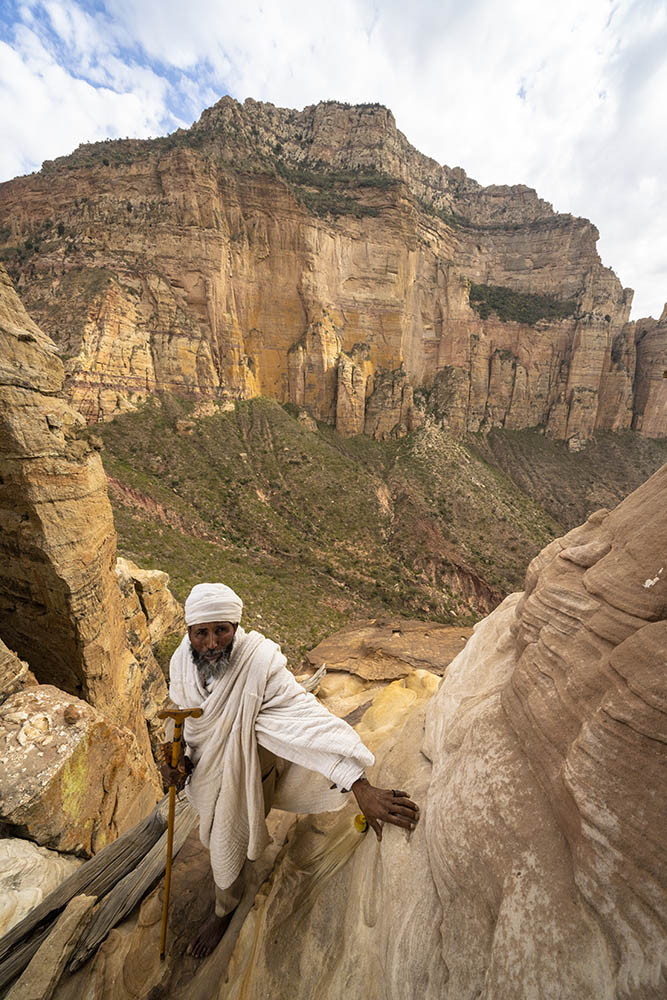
176, 776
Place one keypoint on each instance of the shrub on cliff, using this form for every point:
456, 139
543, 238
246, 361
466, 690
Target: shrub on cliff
520, 307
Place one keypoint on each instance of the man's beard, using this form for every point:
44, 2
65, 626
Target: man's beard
211, 667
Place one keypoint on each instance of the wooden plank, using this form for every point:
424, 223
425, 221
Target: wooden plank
94, 878
130, 890
40, 979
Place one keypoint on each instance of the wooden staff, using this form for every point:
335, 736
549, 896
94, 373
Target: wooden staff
179, 715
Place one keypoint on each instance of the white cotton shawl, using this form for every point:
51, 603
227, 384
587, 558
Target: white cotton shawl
256, 696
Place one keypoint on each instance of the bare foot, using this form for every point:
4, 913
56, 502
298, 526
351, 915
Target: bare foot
211, 931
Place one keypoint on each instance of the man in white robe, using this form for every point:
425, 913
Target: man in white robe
261, 741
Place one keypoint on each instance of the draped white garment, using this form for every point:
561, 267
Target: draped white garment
257, 700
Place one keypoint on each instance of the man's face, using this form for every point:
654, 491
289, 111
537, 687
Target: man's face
210, 640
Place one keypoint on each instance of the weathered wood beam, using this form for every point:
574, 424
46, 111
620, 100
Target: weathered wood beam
94, 878
131, 889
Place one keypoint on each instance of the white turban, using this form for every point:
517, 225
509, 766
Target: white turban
212, 602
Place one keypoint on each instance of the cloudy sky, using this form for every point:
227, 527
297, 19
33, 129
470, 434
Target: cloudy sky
568, 96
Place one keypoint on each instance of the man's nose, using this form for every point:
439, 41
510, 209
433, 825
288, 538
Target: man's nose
211, 641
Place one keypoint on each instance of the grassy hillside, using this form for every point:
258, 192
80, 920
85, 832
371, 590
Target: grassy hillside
312, 529
315, 530
571, 485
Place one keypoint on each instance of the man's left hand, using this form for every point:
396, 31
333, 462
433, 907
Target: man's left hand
385, 805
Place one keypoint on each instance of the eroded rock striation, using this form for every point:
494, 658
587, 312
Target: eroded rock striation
317, 258
28, 873
538, 868
60, 605
150, 611
15, 674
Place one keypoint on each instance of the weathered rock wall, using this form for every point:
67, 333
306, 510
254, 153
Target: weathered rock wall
14, 673
537, 867
60, 606
264, 248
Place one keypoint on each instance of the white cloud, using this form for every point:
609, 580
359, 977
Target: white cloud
567, 97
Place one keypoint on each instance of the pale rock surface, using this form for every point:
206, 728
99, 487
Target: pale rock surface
60, 605
14, 673
193, 264
537, 869
69, 779
28, 873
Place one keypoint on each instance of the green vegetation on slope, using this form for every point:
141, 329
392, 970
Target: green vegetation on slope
334, 192
570, 485
315, 530
522, 307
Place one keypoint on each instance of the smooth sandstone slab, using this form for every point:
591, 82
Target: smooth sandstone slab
40, 978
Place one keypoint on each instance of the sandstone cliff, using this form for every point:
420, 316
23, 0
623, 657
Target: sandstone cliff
538, 868
316, 257
60, 605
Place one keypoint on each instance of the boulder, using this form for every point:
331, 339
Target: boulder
70, 780
384, 649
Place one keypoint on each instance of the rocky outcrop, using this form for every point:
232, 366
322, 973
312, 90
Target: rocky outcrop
14, 673
161, 611
385, 649
60, 606
650, 373
150, 612
70, 780
256, 252
536, 869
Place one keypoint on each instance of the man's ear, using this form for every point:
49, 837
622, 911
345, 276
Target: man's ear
236, 625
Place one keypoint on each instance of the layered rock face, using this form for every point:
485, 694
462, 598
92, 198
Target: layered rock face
14, 673
60, 605
537, 868
150, 612
317, 258
28, 873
